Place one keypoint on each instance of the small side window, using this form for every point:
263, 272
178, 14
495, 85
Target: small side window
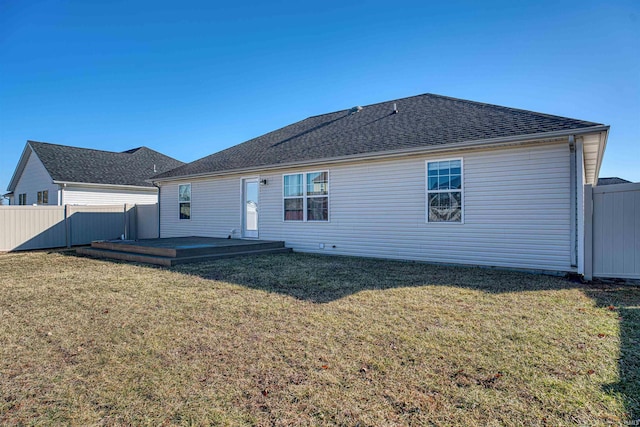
184, 200
43, 197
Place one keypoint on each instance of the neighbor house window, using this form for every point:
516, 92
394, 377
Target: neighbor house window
43, 197
444, 191
306, 196
22, 199
184, 198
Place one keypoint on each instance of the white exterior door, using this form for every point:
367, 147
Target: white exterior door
251, 189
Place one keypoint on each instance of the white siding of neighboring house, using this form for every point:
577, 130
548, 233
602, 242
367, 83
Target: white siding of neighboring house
35, 178
516, 210
74, 195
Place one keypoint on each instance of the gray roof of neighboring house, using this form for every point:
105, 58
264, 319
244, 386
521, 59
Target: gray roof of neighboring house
421, 121
73, 164
612, 180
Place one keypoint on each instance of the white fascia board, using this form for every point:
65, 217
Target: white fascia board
594, 148
481, 143
604, 136
22, 163
105, 186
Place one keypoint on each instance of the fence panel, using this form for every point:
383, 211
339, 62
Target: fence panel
88, 223
147, 221
31, 227
615, 231
44, 227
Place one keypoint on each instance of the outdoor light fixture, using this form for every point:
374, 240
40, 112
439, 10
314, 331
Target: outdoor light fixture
263, 182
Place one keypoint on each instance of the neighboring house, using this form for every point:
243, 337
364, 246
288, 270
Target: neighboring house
427, 178
51, 174
612, 180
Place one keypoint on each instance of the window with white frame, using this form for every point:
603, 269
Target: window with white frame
306, 196
184, 200
444, 191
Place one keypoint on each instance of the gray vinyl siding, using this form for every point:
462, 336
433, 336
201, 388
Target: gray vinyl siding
516, 210
35, 178
215, 209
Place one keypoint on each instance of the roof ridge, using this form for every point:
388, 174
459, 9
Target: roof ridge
29, 141
466, 101
132, 150
371, 105
502, 107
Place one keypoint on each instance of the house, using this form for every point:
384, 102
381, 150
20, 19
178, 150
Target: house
612, 181
51, 174
427, 178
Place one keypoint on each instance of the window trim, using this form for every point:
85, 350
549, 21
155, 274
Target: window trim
190, 201
305, 197
427, 191
285, 197
43, 198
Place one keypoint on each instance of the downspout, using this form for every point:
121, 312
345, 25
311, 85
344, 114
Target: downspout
573, 197
580, 180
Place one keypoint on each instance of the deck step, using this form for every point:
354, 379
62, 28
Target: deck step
170, 261
184, 251
125, 256
201, 258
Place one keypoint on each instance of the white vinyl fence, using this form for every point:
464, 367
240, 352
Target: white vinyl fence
612, 231
44, 227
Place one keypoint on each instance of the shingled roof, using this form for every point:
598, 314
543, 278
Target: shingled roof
73, 164
421, 121
612, 180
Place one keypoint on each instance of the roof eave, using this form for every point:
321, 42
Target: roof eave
604, 136
93, 184
491, 142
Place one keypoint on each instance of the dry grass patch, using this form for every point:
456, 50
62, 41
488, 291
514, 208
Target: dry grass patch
308, 340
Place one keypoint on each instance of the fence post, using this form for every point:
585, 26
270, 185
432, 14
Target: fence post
67, 227
125, 220
588, 232
133, 216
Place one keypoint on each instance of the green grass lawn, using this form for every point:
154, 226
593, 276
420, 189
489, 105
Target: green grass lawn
309, 340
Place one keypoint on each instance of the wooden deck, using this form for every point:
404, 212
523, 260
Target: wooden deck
179, 250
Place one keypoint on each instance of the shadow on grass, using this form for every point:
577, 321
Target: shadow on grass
323, 279
625, 300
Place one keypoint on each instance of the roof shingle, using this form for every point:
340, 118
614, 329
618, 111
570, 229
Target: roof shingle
612, 180
421, 121
74, 164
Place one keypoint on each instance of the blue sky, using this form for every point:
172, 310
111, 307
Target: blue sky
191, 78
